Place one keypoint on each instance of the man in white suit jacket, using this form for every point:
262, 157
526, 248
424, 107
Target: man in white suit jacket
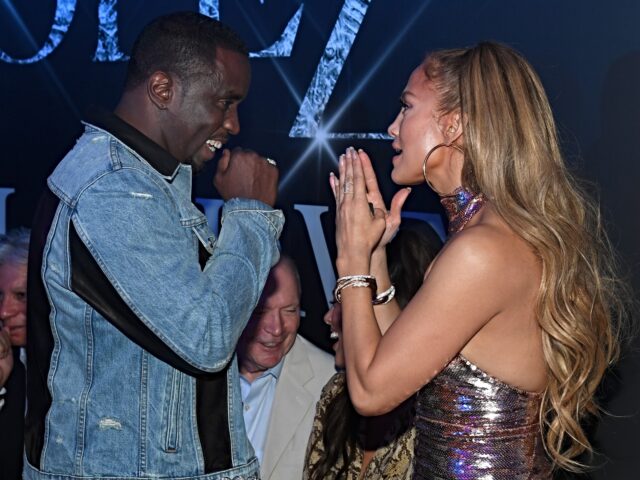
281, 375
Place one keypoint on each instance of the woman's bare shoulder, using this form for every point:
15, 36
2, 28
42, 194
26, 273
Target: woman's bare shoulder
490, 250
477, 243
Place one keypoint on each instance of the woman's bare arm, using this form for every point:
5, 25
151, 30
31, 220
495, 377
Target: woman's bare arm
457, 299
463, 291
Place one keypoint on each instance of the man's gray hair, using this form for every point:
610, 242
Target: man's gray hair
288, 261
14, 246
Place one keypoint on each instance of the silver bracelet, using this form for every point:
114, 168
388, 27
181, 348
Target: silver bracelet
385, 297
354, 281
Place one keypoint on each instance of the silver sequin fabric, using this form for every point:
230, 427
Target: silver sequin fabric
472, 426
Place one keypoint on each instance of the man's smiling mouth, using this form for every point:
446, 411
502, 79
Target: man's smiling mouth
214, 145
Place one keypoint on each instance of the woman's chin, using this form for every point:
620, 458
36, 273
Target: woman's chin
399, 178
396, 177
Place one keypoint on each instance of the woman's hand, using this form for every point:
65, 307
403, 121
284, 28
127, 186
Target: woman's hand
358, 228
392, 217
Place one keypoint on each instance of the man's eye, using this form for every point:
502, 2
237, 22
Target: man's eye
403, 106
226, 104
21, 296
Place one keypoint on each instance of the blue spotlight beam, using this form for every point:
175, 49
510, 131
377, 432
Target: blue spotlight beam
367, 77
62, 19
276, 65
284, 45
280, 48
322, 135
301, 161
340, 41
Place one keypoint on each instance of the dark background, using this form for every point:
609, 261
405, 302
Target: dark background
587, 53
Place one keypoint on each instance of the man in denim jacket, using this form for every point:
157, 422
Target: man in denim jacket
134, 307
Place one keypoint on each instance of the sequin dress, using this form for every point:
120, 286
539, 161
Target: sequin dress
472, 426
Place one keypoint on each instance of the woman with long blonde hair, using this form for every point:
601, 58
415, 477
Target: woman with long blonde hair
513, 328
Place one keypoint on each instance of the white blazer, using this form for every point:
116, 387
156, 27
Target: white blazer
306, 370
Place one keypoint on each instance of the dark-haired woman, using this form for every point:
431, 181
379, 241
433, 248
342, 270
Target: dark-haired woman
343, 444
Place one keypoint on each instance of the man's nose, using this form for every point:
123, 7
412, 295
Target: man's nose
232, 121
7, 307
273, 323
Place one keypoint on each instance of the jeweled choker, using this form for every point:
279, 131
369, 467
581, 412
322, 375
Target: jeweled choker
461, 205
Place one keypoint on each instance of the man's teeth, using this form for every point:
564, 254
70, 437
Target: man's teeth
334, 336
214, 145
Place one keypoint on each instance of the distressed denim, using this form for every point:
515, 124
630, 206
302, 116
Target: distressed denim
116, 410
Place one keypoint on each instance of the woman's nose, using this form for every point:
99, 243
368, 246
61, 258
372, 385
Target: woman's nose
393, 128
327, 316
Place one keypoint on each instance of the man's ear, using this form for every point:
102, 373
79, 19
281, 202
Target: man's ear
452, 126
161, 89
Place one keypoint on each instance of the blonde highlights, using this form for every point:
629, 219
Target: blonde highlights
512, 155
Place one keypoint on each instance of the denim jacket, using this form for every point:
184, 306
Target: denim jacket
135, 309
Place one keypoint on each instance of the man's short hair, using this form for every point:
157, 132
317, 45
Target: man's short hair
183, 44
14, 247
289, 263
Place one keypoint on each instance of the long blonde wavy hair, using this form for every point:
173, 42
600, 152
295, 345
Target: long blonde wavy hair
512, 155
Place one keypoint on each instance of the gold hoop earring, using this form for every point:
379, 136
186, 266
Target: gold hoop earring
424, 162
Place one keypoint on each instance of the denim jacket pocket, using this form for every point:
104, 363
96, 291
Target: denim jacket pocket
173, 411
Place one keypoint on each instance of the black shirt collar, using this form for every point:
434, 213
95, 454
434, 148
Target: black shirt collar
154, 154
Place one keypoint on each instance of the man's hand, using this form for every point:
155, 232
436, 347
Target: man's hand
245, 174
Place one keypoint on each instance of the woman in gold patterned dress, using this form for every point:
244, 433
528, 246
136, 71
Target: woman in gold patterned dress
344, 445
513, 328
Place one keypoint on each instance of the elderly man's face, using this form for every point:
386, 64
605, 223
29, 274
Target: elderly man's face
13, 302
272, 329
